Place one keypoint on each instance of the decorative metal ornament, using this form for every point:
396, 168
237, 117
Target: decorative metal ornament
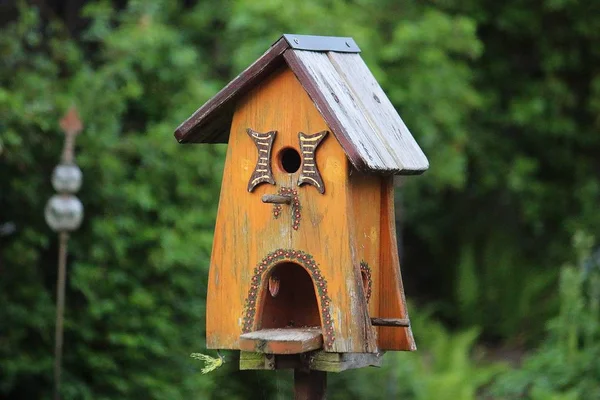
262, 171
294, 200
66, 178
310, 173
276, 210
64, 213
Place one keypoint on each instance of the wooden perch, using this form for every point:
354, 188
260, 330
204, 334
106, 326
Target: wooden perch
276, 199
282, 341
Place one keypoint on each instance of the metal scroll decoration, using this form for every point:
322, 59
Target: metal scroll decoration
261, 274
262, 171
310, 174
365, 272
296, 207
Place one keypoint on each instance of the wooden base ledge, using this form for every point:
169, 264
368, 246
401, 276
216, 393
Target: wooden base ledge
317, 361
400, 322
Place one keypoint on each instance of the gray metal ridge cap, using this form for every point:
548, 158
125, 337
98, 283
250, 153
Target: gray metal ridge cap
336, 44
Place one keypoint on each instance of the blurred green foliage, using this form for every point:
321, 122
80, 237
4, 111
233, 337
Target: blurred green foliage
504, 98
567, 364
531, 179
137, 271
447, 366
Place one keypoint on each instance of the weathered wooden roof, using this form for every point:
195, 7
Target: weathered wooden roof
344, 91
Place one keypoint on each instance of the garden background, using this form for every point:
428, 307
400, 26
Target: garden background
499, 238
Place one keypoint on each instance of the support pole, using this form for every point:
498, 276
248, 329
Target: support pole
60, 310
309, 385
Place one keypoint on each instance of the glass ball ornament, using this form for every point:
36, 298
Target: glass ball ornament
66, 178
64, 212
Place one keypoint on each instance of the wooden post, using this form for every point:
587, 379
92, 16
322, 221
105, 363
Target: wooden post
309, 385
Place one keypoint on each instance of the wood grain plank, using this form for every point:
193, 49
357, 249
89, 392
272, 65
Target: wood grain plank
250, 360
366, 216
338, 362
326, 232
246, 230
394, 137
392, 303
318, 361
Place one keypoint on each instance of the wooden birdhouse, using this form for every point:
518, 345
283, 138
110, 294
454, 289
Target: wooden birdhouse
304, 256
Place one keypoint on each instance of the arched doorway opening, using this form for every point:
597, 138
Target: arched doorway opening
289, 299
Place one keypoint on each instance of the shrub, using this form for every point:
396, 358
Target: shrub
567, 365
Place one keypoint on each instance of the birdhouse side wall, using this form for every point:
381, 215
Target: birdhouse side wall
365, 222
392, 302
376, 256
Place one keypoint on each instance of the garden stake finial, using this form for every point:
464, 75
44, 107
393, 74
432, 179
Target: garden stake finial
64, 213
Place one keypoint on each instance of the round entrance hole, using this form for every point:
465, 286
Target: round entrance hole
289, 160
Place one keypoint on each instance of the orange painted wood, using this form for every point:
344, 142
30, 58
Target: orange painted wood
374, 225
392, 303
366, 210
282, 341
246, 230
